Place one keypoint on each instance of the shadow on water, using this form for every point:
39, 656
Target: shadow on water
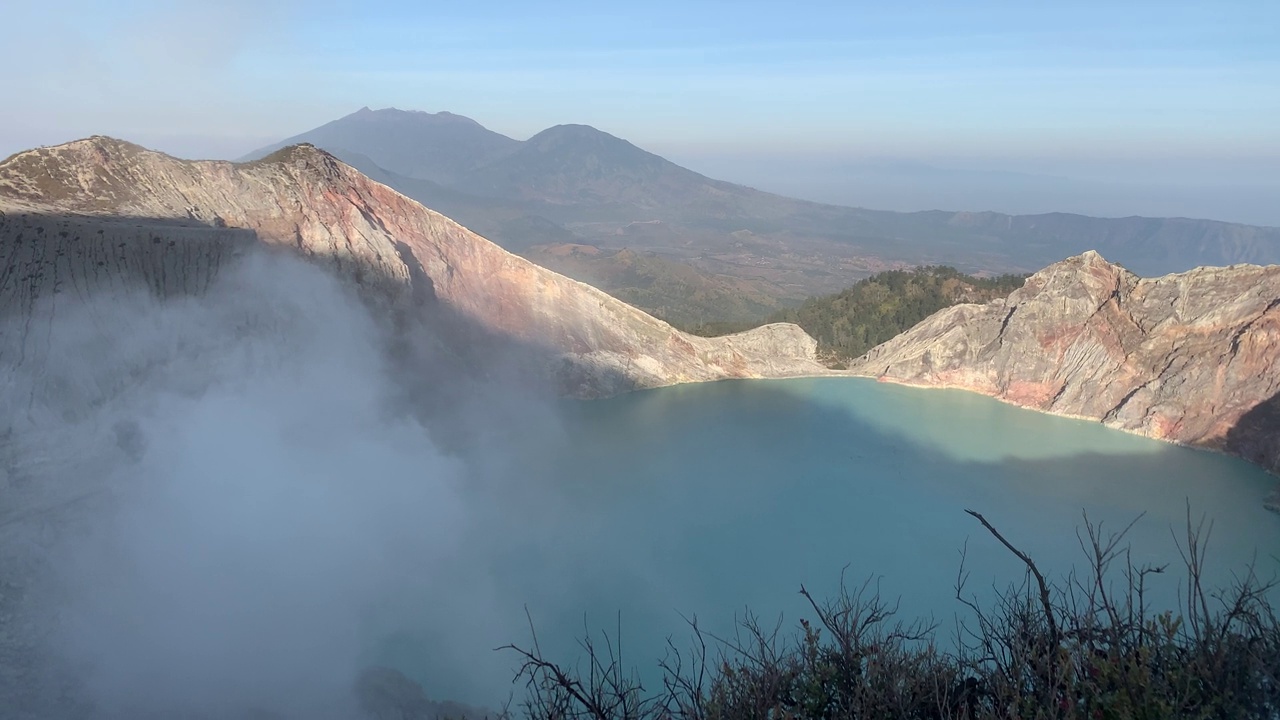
1256, 436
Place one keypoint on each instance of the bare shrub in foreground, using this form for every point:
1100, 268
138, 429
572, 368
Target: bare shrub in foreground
1089, 647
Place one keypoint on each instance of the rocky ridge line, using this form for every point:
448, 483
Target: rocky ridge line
110, 208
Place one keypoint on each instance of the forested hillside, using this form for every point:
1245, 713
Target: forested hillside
851, 322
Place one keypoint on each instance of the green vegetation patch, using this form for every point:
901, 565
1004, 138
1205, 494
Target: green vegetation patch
849, 323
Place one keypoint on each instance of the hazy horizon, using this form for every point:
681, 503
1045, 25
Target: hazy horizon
1144, 108
1231, 190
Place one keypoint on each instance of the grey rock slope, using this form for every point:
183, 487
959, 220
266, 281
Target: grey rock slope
97, 212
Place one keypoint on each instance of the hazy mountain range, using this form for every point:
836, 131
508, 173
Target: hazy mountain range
575, 185
1239, 193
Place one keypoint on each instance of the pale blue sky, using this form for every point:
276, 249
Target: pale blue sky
1135, 91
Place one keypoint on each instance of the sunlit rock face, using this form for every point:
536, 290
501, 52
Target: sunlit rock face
101, 212
1192, 357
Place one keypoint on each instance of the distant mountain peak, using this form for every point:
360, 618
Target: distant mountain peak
575, 127
438, 147
586, 140
396, 114
575, 131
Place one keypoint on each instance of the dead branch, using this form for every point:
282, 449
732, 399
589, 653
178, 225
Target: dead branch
1046, 601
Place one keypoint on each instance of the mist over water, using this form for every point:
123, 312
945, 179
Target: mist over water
233, 503
205, 499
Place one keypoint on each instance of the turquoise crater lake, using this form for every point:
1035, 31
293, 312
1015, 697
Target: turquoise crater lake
703, 500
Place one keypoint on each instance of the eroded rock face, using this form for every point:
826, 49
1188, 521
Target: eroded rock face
1192, 357
99, 212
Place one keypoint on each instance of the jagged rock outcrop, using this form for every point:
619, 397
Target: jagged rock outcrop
100, 212
1192, 357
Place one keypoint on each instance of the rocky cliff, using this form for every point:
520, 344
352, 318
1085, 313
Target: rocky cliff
100, 212
1192, 357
